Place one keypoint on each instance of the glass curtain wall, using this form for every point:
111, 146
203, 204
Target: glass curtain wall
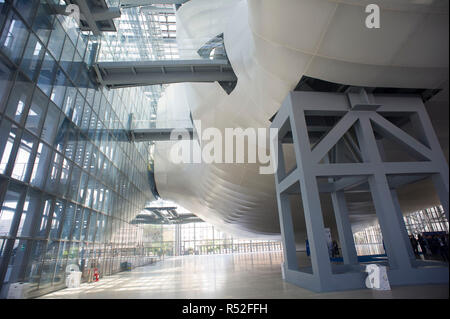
69, 185
200, 239
370, 240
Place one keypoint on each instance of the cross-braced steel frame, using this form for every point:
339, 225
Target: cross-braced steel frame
367, 114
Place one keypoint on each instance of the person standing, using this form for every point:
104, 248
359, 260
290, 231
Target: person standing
307, 247
423, 245
335, 249
413, 241
443, 248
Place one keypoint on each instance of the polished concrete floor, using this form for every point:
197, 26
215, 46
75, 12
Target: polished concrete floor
250, 275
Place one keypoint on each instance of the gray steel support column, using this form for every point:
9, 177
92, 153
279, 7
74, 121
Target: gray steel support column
343, 225
395, 245
401, 221
287, 232
320, 258
344, 228
285, 216
386, 211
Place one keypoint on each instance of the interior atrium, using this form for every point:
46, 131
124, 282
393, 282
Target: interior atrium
111, 112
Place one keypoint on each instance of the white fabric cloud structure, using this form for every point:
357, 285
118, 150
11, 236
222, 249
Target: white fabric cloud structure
271, 45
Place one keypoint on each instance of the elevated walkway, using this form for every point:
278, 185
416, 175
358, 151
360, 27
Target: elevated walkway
143, 73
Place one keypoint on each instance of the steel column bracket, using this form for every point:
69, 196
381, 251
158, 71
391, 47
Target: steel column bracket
360, 100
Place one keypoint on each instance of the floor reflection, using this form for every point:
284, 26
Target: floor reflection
246, 275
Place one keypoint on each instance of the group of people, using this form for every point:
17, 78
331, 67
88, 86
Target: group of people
431, 245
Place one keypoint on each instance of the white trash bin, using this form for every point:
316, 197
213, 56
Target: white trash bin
73, 279
73, 276
377, 277
18, 290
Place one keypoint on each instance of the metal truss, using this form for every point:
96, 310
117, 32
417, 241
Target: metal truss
363, 117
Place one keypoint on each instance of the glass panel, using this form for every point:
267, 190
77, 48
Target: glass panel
61, 133
78, 110
26, 8
86, 118
77, 223
19, 99
68, 221
90, 96
23, 157
15, 261
34, 266
71, 143
9, 136
92, 226
3, 10
64, 179
71, 27
42, 221
57, 218
84, 226
34, 53
52, 183
74, 182
81, 45
52, 121
48, 71
87, 156
42, 25
36, 112
69, 100
56, 39
93, 133
48, 266
101, 225
60, 269
59, 88
5, 82
98, 193
76, 67
39, 174
82, 189
67, 55
31, 209
73, 254
8, 209
89, 192
2, 249
13, 38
